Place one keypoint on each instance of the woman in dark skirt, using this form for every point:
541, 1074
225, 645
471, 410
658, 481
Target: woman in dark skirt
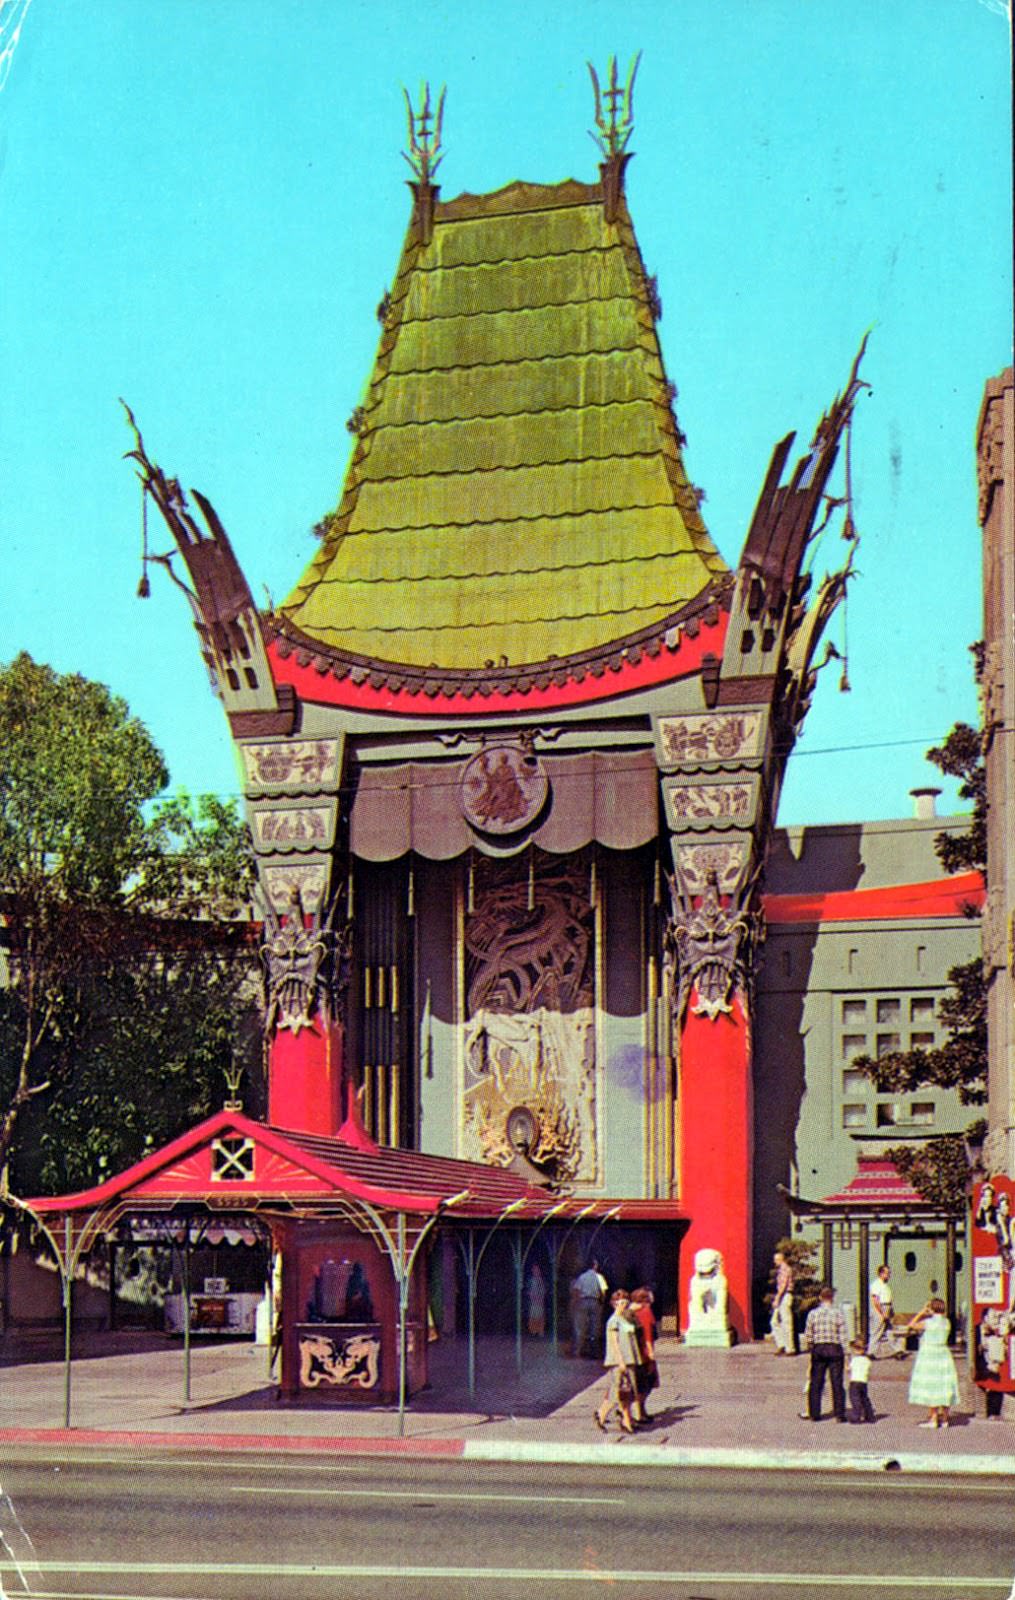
646, 1377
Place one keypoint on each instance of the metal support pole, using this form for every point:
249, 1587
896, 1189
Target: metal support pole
826, 1252
471, 1272
950, 1296
402, 1285
67, 1274
519, 1264
185, 1284
863, 1278
554, 1292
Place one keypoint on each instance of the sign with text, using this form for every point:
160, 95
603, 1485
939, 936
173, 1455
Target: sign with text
993, 1318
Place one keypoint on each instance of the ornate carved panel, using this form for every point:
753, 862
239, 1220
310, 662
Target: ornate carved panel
700, 739
529, 1018
728, 861
294, 828
308, 878
503, 789
710, 805
293, 766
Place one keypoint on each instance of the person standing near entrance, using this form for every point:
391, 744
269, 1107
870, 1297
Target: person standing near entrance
782, 1307
883, 1341
588, 1292
826, 1336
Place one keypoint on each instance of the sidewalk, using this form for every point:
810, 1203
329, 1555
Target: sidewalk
736, 1408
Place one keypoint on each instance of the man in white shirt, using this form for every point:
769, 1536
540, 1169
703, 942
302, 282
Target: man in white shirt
588, 1290
883, 1340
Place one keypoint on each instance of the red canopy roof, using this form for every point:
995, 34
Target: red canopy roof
207, 1165
876, 1185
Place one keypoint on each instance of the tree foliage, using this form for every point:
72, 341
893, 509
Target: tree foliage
801, 1256
937, 1167
128, 988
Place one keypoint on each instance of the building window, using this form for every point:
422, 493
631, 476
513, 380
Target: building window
887, 1042
921, 1010
959, 1261
854, 1115
888, 1115
909, 1261
889, 1013
854, 1082
921, 1111
921, 1041
854, 1013
853, 1044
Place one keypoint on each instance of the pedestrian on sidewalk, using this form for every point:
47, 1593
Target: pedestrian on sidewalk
934, 1381
621, 1360
827, 1338
647, 1376
588, 1292
782, 1307
883, 1342
860, 1407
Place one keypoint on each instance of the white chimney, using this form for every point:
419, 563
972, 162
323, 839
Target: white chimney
925, 803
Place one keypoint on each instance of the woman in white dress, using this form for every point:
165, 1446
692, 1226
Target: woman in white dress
934, 1381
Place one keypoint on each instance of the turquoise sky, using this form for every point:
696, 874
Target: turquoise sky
202, 201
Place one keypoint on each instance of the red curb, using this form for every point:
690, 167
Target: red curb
264, 1443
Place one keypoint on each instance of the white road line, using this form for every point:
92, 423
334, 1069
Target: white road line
423, 1493
810, 1581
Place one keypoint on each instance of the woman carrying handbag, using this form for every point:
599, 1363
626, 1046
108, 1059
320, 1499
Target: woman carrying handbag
621, 1360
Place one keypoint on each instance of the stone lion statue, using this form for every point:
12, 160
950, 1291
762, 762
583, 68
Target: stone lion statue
706, 1321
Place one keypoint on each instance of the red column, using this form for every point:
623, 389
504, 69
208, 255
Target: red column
716, 1151
305, 1078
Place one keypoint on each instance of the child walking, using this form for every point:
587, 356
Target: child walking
860, 1407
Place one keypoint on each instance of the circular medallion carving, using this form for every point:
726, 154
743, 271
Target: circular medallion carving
503, 789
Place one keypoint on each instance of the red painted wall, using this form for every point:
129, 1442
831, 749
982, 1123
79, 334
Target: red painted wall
716, 1152
305, 1079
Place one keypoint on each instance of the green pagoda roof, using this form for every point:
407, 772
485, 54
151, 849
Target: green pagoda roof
516, 491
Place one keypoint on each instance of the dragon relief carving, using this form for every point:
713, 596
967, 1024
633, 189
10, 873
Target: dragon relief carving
530, 1034
306, 969
709, 947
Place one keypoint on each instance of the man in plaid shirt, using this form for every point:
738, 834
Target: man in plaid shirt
826, 1336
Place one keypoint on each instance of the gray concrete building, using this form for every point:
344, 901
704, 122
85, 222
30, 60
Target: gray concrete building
863, 929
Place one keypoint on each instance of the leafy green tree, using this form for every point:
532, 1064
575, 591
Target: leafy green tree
937, 1167
802, 1257
128, 972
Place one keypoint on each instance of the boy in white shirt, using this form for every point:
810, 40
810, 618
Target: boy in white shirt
860, 1408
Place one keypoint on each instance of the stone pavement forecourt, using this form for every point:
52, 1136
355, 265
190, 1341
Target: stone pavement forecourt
736, 1407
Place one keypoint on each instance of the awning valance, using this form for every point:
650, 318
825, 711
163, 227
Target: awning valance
604, 797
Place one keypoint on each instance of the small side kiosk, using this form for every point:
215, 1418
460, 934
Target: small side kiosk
348, 1225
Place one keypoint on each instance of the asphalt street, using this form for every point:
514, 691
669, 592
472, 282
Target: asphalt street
189, 1526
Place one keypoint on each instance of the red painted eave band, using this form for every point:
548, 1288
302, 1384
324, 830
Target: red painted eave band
325, 689
942, 897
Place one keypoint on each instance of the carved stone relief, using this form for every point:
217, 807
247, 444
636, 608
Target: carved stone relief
302, 828
695, 862
694, 740
990, 456
707, 804
529, 1030
503, 789
309, 878
709, 947
302, 765
306, 969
